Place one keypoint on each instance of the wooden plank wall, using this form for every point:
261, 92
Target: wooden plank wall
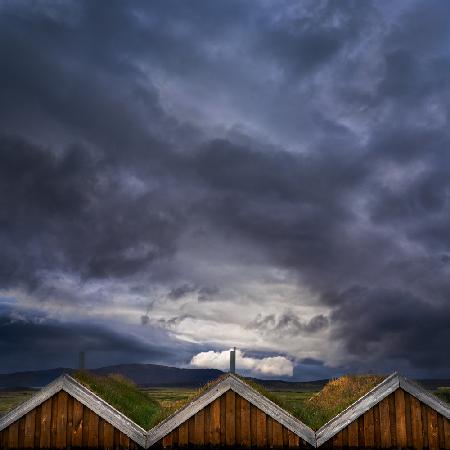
63, 422
231, 421
398, 421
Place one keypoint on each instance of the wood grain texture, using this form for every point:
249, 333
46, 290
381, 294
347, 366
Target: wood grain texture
447, 433
167, 441
400, 418
441, 431
433, 439
230, 419
416, 424
361, 439
101, 435
277, 434
85, 426
385, 424
37, 432
108, 436
214, 435
223, 409
207, 425
376, 424
199, 426
93, 430
245, 423
261, 430
30, 428
353, 434
77, 431
183, 435
392, 419
54, 421
337, 440
61, 420
69, 425
424, 415
369, 429
191, 431
238, 420
124, 441
294, 440
21, 435
269, 426
46, 417
253, 436
13, 437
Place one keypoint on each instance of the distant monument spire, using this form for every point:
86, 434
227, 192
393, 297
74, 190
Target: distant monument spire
233, 360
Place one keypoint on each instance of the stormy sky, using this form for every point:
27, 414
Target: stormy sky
177, 178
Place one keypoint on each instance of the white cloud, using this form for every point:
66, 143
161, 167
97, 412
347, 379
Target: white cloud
271, 365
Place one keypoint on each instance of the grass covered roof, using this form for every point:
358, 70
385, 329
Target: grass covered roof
125, 396
318, 408
313, 410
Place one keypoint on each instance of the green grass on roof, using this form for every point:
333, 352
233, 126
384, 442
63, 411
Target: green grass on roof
317, 409
125, 396
336, 395
312, 409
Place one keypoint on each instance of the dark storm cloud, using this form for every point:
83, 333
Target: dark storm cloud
288, 324
379, 322
181, 291
64, 211
303, 41
40, 344
100, 177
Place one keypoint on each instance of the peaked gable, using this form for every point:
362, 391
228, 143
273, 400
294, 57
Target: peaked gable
243, 390
395, 383
85, 397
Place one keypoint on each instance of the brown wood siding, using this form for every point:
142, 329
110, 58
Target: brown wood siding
231, 421
398, 421
63, 422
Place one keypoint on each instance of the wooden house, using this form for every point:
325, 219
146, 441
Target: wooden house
395, 414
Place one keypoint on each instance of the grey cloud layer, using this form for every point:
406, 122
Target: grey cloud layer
317, 133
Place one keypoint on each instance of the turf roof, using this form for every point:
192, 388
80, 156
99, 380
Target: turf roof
322, 406
125, 396
315, 411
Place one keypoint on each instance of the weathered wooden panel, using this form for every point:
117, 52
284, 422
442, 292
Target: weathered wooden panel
416, 424
30, 428
46, 415
261, 430
353, 434
62, 422
245, 423
215, 423
398, 421
199, 428
231, 421
385, 424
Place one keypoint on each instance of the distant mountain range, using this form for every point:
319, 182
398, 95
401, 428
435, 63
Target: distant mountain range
153, 375
145, 375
